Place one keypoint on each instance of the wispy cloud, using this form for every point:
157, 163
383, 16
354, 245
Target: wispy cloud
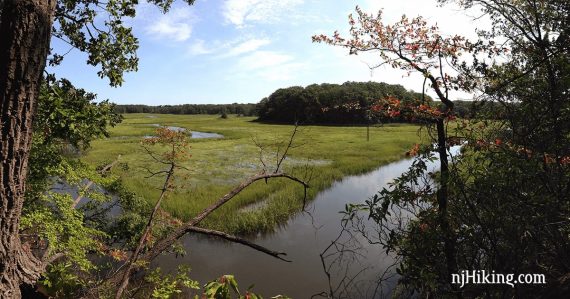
175, 25
267, 66
238, 12
199, 47
233, 48
246, 47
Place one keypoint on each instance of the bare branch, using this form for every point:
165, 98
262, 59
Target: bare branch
154, 157
239, 240
261, 148
166, 242
287, 148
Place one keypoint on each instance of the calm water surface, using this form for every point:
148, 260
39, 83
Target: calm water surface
193, 134
303, 238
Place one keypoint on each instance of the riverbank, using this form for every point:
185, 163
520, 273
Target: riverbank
321, 155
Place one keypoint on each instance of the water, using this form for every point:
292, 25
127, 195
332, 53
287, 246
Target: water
111, 208
196, 134
193, 134
303, 238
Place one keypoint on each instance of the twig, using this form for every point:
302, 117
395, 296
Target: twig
287, 148
239, 240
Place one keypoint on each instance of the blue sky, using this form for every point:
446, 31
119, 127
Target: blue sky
225, 51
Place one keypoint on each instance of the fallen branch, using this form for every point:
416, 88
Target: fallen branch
239, 240
121, 277
190, 226
225, 236
166, 242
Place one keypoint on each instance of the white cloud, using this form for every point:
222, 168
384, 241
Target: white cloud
238, 12
450, 18
267, 66
199, 48
237, 47
246, 47
175, 25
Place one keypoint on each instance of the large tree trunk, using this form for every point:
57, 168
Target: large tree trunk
25, 31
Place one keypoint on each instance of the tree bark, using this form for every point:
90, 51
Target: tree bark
442, 198
25, 31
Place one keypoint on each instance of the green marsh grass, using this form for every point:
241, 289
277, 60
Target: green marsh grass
217, 165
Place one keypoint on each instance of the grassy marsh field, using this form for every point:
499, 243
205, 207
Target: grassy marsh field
322, 153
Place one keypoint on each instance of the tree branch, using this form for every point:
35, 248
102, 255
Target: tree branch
166, 242
239, 240
146, 233
287, 148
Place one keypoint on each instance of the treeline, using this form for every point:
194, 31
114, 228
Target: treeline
235, 108
481, 109
347, 103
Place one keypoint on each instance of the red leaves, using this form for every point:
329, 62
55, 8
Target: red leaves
391, 107
176, 141
408, 44
166, 136
549, 159
414, 150
376, 108
394, 113
518, 150
118, 255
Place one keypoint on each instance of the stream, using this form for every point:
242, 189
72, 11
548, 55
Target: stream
303, 238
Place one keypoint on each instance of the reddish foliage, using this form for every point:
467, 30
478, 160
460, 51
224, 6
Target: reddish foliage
393, 108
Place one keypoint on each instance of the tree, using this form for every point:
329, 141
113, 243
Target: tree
25, 34
507, 191
60, 231
53, 222
328, 103
24, 24
413, 46
223, 113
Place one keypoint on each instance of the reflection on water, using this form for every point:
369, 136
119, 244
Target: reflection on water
303, 238
193, 134
196, 134
111, 208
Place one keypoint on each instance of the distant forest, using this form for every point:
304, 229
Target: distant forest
350, 103
329, 103
346, 103
235, 108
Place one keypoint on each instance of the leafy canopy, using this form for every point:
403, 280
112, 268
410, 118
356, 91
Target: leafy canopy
99, 29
